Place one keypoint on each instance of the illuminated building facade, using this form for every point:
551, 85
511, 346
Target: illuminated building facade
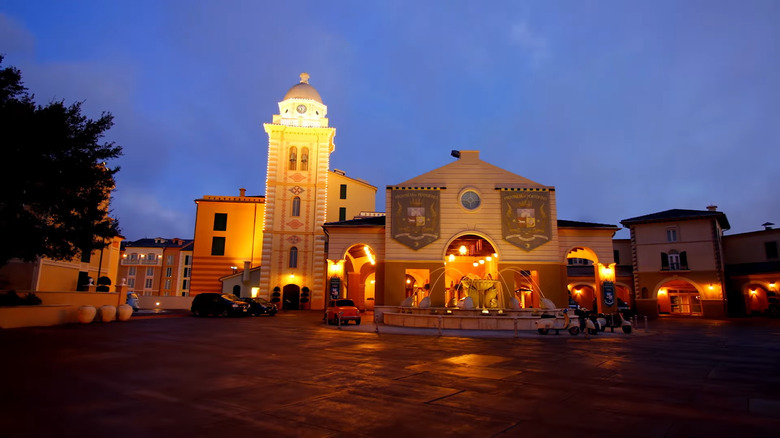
273, 246
156, 267
470, 222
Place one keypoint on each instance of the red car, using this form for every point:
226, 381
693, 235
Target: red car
344, 310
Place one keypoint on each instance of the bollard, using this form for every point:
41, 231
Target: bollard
440, 324
339, 319
376, 324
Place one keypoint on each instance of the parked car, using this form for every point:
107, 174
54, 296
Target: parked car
260, 306
132, 300
218, 304
344, 310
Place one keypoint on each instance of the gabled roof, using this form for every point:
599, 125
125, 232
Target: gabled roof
679, 215
361, 222
470, 164
592, 225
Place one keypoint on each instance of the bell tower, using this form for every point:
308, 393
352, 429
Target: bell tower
296, 187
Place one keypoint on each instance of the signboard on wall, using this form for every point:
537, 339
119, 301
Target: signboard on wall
608, 289
415, 217
335, 286
525, 217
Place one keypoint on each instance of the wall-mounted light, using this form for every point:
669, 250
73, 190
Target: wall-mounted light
772, 285
661, 291
753, 291
463, 250
475, 264
488, 258
711, 286
292, 277
451, 257
481, 261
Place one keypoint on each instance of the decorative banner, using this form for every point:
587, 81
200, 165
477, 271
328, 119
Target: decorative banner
608, 288
416, 217
525, 218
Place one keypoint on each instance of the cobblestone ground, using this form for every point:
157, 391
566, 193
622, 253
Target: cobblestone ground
291, 375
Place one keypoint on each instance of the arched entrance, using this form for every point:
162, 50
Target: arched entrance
756, 299
470, 259
360, 274
679, 297
291, 296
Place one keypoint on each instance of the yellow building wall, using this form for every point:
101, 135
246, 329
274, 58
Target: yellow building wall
469, 172
243, 239
694, 237
599, 241
361, 196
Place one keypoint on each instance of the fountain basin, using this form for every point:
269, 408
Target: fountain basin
463, 319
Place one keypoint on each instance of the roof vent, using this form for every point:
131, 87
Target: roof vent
767, 225
712, 208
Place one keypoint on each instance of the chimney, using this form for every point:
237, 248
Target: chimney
712, 208
242, 191
767, 225
245, 276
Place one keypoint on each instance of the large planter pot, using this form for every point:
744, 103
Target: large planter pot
87, 314
124, 312
107, 313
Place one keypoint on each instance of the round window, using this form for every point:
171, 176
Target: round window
470, 200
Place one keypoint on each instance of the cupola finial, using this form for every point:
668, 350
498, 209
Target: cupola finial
304, 78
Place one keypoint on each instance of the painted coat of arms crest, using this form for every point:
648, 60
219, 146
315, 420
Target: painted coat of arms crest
525, 218
416, 220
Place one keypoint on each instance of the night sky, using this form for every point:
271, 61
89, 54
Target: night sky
627, 108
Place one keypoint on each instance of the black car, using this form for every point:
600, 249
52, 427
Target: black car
260, 306
218, 304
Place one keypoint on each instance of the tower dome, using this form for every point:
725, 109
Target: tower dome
303, 90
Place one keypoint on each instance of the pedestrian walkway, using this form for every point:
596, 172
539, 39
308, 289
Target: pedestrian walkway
293, 375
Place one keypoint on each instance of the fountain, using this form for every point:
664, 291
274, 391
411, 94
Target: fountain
482, 307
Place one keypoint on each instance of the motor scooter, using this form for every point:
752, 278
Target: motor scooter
552, 322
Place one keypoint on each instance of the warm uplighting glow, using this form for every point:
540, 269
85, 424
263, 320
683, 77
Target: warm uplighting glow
578, 291
607, 272
373, 281
452, 257
157, 303
662, 292
336, 268
495, 256
753, 291
772, 285
370, 256
463, 250
488, 258
711, 286
292, 277
485, 311
475, 264
481, 261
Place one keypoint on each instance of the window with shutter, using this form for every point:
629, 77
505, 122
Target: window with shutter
684, 260
664, 261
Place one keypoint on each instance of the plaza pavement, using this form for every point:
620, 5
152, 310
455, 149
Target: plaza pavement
171, 375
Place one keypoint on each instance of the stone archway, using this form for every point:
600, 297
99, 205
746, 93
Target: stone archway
359, 272
679, 297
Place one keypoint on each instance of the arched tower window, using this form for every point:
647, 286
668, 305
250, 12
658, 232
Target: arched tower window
305, 159
293, 257
293, 158
296, 206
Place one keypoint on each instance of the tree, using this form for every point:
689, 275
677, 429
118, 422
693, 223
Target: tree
55, 184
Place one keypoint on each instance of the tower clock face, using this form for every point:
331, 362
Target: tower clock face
301, 109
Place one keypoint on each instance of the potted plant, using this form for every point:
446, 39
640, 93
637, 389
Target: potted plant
305, 298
